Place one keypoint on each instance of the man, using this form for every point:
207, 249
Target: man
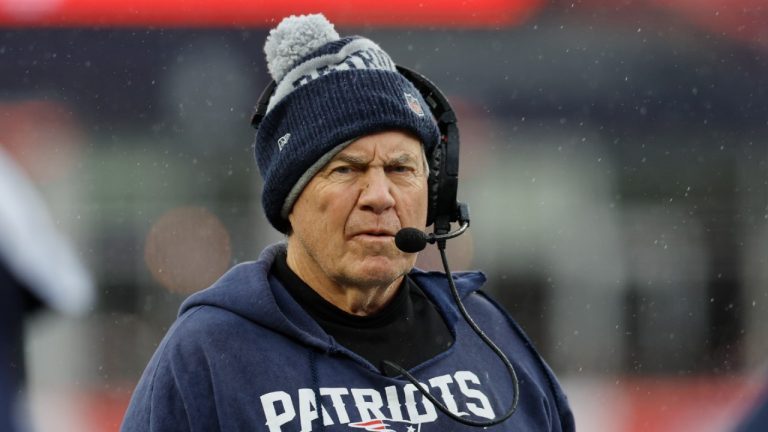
297, 340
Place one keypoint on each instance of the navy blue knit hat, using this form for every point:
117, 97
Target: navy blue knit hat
330, 91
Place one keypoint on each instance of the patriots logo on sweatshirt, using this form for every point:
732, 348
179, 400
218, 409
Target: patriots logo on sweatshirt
385, 425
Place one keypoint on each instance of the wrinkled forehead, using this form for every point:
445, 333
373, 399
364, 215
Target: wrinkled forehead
391, 146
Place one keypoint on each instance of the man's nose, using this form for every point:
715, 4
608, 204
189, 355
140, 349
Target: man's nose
376, 195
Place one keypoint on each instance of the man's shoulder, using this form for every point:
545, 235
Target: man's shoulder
235, 291
222, 310
466, 282
502, 328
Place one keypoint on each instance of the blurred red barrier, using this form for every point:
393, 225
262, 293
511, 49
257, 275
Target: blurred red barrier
232, 13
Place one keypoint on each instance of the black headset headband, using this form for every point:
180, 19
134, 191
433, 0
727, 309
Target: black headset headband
443, 160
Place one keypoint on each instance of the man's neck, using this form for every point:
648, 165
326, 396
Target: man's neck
351, 298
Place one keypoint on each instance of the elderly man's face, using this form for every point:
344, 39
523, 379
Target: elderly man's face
345, 220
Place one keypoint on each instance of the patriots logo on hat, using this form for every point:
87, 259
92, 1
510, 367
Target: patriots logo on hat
385, 425
414, 104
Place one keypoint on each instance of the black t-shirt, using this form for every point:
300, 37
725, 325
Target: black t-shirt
409, 330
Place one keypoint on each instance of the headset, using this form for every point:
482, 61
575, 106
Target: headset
443, 161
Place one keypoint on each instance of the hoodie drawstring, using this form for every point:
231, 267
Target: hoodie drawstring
316, 387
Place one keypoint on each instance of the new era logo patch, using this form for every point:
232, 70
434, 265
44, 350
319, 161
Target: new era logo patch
283, 141
414, 104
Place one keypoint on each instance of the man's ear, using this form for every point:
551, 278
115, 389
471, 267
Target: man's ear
289, 230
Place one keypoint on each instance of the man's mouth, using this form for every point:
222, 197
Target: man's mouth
383, 234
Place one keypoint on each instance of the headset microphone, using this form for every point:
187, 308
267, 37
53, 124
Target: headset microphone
412, 240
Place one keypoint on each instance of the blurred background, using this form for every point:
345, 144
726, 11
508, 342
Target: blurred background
613, 155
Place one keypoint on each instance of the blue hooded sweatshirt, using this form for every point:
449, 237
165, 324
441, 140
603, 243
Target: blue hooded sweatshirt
244, 356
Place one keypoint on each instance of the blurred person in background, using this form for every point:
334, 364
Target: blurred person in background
38, 268
321, 331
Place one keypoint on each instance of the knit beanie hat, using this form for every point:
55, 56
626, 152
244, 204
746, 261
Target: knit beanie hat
330, 91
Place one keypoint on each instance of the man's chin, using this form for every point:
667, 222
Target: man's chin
379, 270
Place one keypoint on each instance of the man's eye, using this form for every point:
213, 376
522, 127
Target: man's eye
399, 169
342, 170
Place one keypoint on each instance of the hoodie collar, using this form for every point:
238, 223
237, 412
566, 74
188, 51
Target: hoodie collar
248, 290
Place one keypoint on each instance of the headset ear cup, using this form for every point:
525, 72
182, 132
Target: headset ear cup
435, 170
442, 207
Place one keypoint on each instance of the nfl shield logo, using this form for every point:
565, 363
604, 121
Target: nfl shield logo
414, 104
385, 425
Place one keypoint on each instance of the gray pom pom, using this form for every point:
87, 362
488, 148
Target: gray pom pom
294, 38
